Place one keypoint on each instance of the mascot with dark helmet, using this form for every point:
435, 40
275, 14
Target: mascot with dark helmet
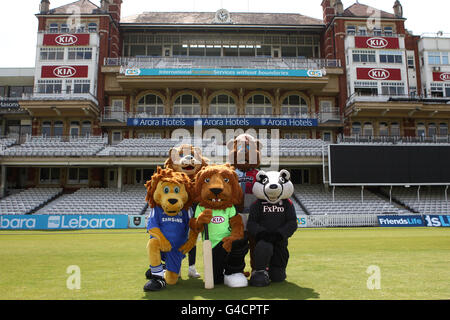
272, 221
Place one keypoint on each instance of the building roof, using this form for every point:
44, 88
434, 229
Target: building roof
359, 10
80, 6
207, 18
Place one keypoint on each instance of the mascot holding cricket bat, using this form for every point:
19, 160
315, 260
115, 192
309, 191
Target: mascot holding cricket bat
218, 191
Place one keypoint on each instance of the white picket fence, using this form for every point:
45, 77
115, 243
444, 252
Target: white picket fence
343, 220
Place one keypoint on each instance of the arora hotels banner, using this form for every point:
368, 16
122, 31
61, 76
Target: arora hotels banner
221, 122
218, 72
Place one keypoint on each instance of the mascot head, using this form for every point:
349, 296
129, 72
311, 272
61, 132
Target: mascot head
244, 152
186, 159
273, 186
169, 190
217, 187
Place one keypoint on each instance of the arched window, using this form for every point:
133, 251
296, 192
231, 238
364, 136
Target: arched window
47, 128
395, 129
356, 128
86, 127
421, 130
223, 105
383, 129
151, 104
74, 128
443, 129
368, 129
432, 130
186, 104
58, 128
294, 105
258, 104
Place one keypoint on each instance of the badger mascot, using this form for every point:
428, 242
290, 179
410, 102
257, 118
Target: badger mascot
272, 221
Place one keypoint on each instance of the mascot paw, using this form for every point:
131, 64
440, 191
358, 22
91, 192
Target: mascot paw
165, 245
236, 280
205, 217
155, 284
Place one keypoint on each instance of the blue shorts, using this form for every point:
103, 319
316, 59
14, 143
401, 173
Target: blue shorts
173, 260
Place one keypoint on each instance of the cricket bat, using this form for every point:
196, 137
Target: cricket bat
207, 261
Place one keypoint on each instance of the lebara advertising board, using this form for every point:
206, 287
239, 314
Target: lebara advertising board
63, 222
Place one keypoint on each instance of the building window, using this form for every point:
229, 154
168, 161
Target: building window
383, 129
392, 88
438, 58
49, 175
368, 129
51, 54
82, 86
223, 105
327, 136
366, 88
74, 129
50, 86
151, 104
443, 129
377, 31
80, 54
78, 176
81, 28
395, 129
86, 127
64, 28
294, 105
364, 56
58, 128
53, 28
258, 104
47, 128
432, 130
421, 130
411, 62
116, 137
186, 104
92, 27
437, 90
356, 128
391, 57
351, 30
388, 31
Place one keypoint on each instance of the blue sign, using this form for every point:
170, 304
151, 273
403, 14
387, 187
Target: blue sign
222, 122
219, 72
62, 222
400, 221
437, 220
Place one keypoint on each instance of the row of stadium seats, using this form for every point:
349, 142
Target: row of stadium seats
28, 201
429, 200
347, 200
100, 201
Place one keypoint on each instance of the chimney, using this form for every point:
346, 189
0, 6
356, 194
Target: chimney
104, 5
339, 7
398, 9
44, 6
329, 11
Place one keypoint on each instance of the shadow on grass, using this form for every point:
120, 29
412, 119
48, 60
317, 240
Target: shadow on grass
193, 289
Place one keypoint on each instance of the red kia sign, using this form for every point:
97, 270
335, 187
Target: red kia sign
377, 43
441, 76
66, 39
378, 74
64, 72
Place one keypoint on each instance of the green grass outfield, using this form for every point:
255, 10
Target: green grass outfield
324, 264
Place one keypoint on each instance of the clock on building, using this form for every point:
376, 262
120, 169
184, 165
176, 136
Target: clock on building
223, 16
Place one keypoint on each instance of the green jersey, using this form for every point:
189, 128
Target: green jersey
219, 227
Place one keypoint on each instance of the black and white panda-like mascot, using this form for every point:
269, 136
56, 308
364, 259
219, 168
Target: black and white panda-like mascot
272, 220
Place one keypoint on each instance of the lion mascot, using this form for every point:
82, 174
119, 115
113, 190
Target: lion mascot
272, 221
169, 197
245, 155
217, 190
189, 160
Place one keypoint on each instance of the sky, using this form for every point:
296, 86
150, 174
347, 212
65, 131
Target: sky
18, 24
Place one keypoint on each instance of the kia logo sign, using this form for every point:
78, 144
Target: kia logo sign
65, 72
379, 74
217, 220
377, 43
66, 39
445, 76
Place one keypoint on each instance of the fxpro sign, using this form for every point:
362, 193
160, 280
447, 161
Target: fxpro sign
222, 122
63, 222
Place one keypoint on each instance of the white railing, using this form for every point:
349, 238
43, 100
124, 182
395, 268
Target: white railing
222, 62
